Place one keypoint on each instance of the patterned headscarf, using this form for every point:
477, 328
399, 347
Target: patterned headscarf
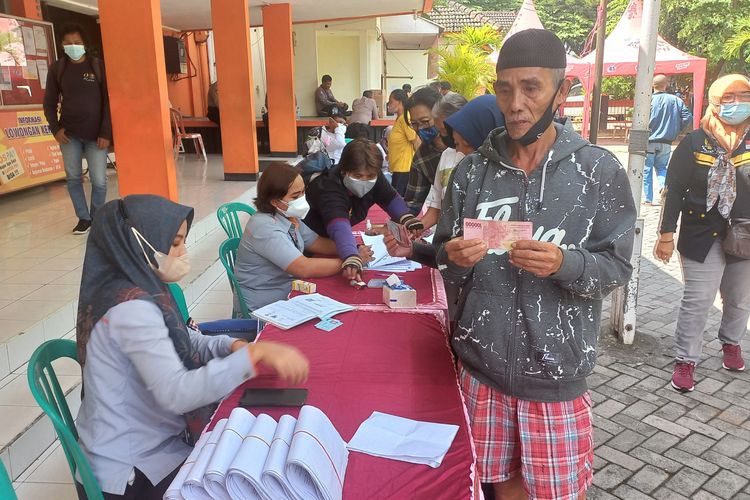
115, 269
722, 177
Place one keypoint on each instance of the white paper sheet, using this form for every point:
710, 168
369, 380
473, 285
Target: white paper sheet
398, 438
29, 44
289, 313
274, 471
40, 40
244, 475
174, 490
238, 426
192, 488
42, 69
317, 459
382, 260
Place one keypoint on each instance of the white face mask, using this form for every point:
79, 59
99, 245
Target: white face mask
169, 269
296, 208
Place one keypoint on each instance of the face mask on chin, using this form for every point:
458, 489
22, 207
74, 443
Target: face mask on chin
540, 127
169, 269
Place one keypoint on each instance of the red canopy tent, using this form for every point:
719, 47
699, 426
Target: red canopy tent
528, 18
621, 56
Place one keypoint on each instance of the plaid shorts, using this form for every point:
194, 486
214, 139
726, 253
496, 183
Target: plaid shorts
550, 444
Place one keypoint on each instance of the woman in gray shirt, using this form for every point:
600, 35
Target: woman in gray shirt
146, 375
271, 251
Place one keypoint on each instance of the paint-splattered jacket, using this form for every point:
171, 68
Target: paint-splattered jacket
528, 337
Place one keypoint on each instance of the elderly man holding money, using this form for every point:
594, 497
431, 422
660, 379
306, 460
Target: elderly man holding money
537, 228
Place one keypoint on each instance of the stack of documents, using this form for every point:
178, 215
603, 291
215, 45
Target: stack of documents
399, 438
286, 314
382, 261
245, 457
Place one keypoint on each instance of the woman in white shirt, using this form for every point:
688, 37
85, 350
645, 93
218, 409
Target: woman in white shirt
149, 380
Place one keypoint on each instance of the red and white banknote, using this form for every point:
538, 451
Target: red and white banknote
497, 234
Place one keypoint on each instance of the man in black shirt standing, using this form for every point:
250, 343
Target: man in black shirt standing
76, 83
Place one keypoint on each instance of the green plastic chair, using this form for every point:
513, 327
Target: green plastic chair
46, 390
6, 485
228, 256
179, 298
229, 218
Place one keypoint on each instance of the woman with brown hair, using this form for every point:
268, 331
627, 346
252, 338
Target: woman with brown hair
271, 251
341, 197
708, 188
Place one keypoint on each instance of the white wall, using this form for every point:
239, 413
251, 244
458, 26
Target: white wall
306, 71
406, 63
339, 55
349, 80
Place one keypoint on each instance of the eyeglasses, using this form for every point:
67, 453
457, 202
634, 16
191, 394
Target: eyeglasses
735, 97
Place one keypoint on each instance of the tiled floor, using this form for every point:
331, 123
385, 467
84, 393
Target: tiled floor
40, 268
40, 259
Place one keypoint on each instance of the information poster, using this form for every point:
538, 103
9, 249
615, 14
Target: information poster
27, 51
29, 154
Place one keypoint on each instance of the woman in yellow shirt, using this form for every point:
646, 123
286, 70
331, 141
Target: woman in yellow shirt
402, 143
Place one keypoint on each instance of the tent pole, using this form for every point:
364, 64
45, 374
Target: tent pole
596, 95
625, 299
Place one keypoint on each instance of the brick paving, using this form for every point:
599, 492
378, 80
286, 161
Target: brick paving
651, 441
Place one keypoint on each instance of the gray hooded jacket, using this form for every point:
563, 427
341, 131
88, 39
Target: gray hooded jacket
528, 337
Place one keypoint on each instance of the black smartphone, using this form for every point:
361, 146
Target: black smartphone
273, 397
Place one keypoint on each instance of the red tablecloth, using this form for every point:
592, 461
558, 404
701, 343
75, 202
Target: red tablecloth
394, 363
425, 281
376, 215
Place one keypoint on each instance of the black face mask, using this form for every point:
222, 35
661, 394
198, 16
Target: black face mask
541, 126
448, 139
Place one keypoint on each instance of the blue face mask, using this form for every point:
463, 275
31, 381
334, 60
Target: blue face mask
428, 134
75, 52
734, 114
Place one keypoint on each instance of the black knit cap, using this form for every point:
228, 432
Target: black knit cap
532, 48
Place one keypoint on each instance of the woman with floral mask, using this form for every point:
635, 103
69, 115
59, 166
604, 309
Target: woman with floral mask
341, 197
708, 188
271, 250
147, 377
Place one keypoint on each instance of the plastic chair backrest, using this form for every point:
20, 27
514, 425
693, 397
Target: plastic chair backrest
229, 218
177, 121
6, 486
179, 298
46, 390
228, 256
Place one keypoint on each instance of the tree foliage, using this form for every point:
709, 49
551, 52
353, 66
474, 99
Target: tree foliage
465, 63
714, 29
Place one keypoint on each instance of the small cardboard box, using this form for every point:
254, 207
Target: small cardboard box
378, 95
400, 296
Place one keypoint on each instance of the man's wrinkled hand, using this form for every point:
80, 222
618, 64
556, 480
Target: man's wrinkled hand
465, 253
540, 258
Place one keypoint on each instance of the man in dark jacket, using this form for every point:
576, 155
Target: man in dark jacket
76, 83
528, 319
